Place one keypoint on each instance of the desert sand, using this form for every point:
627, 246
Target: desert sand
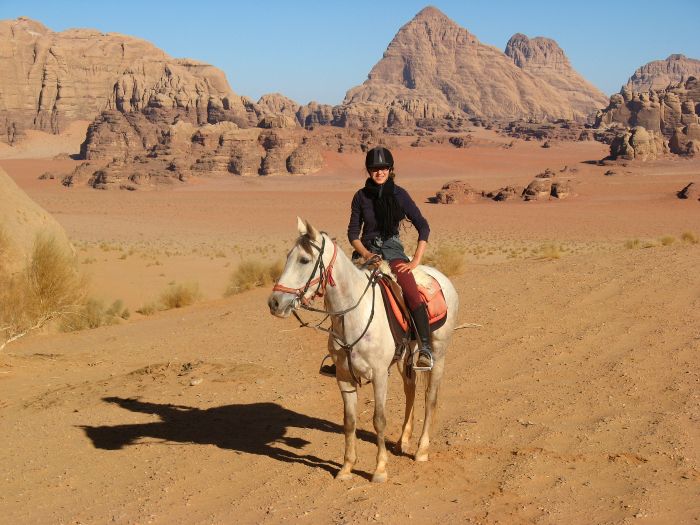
574, 400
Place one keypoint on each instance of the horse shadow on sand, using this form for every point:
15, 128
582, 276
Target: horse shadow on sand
256, 428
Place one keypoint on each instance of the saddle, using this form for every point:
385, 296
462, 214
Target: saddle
397, 311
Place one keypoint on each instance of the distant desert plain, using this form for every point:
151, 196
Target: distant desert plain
572, 386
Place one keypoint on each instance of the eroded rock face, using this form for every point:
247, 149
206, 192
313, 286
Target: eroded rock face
672, 113
660, 74
538, 189
49, 79
128, 151
544, 59
435, 72
637, 143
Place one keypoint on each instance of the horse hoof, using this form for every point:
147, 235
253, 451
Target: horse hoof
379, 477
421, 456
343, 476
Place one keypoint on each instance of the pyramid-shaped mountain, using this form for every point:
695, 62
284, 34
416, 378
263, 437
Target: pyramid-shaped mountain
435, 69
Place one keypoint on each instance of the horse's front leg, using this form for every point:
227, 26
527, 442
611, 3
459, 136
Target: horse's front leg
349, 393
380, 383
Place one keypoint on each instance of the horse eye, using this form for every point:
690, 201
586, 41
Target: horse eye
304, 260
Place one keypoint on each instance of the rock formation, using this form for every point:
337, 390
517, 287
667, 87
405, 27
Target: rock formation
637, 143
435, 72
21, 219
456, 191
544, 59
660, 74
49, 79
689, 191
672, 113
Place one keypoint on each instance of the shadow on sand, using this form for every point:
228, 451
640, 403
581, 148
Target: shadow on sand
257, 428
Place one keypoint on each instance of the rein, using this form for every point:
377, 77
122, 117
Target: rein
324, 279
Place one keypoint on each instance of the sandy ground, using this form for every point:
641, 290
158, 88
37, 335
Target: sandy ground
575, 401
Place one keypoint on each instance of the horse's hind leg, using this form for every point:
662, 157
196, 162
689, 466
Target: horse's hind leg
349, 393
431, 393
409, 389
380, 388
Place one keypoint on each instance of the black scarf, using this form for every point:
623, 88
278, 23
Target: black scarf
387, 210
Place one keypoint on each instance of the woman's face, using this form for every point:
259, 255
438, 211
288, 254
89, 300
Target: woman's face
379, 175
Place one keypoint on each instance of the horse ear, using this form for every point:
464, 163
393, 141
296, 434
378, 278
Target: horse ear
313, 233
301, 226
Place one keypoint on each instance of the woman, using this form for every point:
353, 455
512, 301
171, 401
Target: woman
375, 215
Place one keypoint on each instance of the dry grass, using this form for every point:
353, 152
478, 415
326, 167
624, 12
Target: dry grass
549, 251
448, 259
252, 273
49, 288
689, 237
179, 295
667, 240
93, 314
147, 309
633, 244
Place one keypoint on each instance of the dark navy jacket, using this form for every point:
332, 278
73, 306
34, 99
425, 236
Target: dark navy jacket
362, 217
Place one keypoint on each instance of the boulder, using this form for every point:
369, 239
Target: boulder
690, 191
538, 189
456, 191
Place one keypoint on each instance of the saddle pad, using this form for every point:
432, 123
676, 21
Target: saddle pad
431, 291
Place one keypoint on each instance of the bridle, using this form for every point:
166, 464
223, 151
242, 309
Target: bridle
325, 279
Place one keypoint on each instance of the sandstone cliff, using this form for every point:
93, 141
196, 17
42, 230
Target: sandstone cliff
659, 74
436, 70
673, 113
48, 79
544, 59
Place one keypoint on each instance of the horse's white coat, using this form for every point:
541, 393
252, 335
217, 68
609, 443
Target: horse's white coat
373, 353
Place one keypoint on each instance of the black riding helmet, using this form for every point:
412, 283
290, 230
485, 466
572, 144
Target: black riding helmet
379, 157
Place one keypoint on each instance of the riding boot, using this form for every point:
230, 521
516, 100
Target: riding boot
425, 354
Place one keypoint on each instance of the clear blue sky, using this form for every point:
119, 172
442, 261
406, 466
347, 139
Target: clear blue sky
317, 50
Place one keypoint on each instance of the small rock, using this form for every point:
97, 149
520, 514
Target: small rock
195, 381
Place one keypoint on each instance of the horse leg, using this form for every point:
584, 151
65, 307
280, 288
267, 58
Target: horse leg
380, 384
349, 393
409, 389
431, 393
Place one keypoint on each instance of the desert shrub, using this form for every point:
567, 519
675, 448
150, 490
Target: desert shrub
50, 287
252, 273
179, 295
667, 240
549, 251
689, 237
632, 244
448, 259
93, 314
147, 309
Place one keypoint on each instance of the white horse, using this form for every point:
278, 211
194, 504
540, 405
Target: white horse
361, 343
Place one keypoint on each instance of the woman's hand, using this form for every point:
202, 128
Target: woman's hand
406, 266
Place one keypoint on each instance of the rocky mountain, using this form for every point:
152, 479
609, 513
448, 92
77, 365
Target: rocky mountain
436, 70
543, 58
48, 79
672, 113
659, 74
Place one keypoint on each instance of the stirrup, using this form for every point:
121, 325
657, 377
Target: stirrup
424, 368
327, 370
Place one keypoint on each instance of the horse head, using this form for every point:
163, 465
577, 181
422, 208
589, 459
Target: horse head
306, 272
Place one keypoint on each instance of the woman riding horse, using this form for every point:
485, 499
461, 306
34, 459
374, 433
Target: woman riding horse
375, 215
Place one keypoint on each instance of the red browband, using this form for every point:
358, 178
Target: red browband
324, 279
